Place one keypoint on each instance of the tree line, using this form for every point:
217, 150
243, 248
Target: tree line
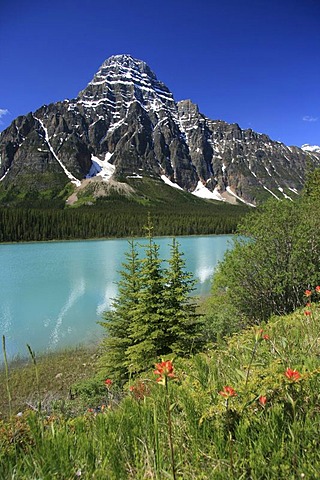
34, 224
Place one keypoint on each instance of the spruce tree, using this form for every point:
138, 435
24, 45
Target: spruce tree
152, 315
119, 320
183, 326
147, 326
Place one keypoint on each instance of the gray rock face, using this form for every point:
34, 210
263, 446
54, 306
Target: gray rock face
128, 118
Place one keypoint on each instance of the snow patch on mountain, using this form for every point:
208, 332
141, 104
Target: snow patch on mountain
203, 192
311, 148
101, 168
169, 182
239, 198
73, 179
7, 171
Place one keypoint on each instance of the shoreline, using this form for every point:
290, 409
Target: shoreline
103, 239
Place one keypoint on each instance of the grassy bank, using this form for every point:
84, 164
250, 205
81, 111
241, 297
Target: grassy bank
245, 409
57, 372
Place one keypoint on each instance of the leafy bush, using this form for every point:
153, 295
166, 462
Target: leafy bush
276, 253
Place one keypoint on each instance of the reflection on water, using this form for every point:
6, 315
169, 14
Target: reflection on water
53, 294
57, 331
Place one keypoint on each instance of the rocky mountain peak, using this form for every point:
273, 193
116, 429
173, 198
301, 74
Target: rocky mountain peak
126, 124
121, 80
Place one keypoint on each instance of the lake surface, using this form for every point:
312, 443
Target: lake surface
53, 294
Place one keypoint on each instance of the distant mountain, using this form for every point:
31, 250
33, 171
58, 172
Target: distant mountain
126, 125
311, 148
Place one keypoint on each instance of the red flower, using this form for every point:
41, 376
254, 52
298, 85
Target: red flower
262, 400
308, 293
318, 288
307, 312
260, 336
228, 392
164, 370
293, 375
108, 382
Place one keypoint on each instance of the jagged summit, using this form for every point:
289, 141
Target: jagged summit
121, 80
126, 124
126, 61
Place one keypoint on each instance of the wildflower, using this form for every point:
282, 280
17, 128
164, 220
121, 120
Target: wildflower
139, 390
228, 392
308, 293
262, 400
261, 336
307, 312
318, 288
108, 382
164, 370
293, 375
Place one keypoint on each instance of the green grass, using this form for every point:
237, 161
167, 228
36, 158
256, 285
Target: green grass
126, 436
57, 371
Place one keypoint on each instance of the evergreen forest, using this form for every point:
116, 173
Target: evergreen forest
34, 224
39, 216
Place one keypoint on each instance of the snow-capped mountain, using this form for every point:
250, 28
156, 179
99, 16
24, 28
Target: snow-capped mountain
311, 148
126, 124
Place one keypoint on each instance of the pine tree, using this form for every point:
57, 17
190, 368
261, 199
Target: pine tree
146, 330
183, 325
119, 319
152, 316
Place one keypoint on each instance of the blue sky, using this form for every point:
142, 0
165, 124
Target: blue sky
255, 63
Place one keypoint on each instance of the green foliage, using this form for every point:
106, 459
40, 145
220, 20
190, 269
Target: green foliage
115, 219
277, 252
152, 315
312, 185
267, 429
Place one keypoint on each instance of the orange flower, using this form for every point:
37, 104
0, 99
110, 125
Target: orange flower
164, 370
262, 400
261, 336
318, 288
293, 375
228, 392
307, 312
308, 293
108, 382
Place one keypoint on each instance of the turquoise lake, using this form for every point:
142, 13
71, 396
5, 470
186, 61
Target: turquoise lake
53, 294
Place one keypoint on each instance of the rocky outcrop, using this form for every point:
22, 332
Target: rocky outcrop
127, 118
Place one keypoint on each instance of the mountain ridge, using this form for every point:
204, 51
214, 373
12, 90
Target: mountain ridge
126, 124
